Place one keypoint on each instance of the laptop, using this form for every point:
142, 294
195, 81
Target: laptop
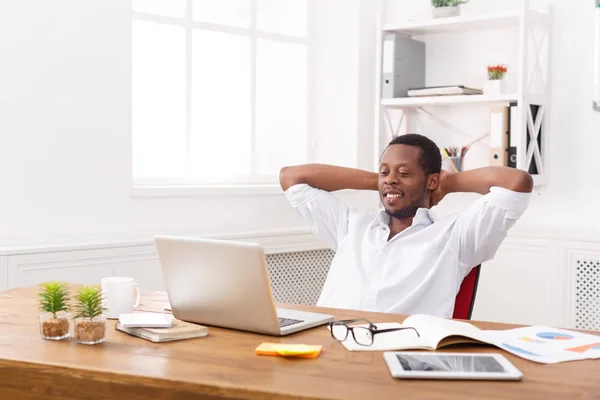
226, 283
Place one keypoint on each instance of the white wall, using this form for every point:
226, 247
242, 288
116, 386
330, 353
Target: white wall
568, 201
65, 137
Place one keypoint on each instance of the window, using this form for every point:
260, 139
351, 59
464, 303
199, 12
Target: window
219, 91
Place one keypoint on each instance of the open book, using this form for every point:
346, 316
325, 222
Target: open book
536, 343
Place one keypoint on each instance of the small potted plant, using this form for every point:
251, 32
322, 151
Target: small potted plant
90, 322
446, 8
495, 83
54, 310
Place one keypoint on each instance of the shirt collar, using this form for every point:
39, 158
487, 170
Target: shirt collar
424, 216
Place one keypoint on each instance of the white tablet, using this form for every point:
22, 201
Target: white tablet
435, 365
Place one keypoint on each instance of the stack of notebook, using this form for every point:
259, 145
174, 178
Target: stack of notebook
177, 331
442, 91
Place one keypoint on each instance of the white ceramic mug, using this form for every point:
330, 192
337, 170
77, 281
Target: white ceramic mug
118, 293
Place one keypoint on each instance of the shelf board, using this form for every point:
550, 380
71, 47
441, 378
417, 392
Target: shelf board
459, 23
403, 102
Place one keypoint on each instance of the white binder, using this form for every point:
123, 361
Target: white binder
499, 136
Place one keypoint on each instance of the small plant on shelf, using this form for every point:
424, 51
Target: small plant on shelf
90, 323
446, 8
54, 310
448, 3
496, 72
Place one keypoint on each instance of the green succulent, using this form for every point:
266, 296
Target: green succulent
447, 3
88, 303
54, 297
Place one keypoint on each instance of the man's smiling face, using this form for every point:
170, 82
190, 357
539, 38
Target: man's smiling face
402, 181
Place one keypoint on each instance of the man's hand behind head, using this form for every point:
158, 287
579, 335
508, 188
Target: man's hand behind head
440, 192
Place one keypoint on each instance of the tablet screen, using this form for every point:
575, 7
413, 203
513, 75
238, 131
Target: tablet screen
449, 363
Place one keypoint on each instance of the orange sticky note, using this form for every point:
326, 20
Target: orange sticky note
288, 350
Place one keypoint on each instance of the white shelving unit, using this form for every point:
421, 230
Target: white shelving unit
531, 95
405, 102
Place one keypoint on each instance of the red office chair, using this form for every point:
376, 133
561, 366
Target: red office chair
465, 299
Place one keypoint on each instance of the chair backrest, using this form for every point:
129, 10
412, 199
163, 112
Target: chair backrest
465, 299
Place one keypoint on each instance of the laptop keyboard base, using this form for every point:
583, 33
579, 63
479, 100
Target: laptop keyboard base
283, 322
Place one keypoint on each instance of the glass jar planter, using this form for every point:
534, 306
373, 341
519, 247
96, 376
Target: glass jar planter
90, 331
54, 327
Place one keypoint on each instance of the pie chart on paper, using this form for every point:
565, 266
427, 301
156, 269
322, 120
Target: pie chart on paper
554, 336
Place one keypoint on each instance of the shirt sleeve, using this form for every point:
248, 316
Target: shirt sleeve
479, 230
325, 213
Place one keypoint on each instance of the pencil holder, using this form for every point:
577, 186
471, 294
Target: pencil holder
453, 164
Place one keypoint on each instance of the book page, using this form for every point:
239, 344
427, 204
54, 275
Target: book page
442, 332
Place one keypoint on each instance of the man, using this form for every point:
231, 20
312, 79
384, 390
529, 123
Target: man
403, 259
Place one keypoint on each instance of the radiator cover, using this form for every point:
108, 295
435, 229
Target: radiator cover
586, 313
298, 277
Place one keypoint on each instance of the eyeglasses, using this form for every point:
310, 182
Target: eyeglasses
362, 335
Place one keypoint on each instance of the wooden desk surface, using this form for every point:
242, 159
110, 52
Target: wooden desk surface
223, 365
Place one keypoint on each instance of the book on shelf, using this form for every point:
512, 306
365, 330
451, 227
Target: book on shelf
452, 90
537, 343
178, 331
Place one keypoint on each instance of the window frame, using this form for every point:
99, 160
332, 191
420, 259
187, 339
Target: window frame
186, 186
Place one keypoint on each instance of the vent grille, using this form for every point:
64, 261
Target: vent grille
587, 295
298, 277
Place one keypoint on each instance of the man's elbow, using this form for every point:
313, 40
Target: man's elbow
523, 182
288, 176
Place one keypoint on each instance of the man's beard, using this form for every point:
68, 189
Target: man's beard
409, 210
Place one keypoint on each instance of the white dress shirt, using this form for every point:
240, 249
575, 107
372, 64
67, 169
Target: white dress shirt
419, 270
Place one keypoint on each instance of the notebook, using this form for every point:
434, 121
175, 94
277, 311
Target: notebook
178, 331
443, 91
537, 343
145, 320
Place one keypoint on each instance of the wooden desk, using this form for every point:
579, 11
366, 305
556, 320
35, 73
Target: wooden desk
223, 365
